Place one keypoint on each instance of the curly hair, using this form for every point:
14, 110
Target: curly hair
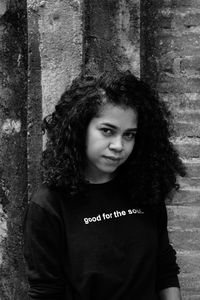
150, 172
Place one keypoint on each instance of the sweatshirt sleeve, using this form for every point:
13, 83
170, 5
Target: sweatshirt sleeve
43, 244
167, 268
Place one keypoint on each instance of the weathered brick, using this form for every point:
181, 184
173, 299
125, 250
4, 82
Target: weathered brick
189, 264
187, 129
185, 42
174, 84
188, 296
189, 3
187, 115
188, 147
191, 19
165, 21
181, 101
187, 122
187, 197
169, 63
178, 19
189, 150
189, 272
189, 282
184, 239
190, 65
184, 216
188, 182
189, 261
179, 3
193, 168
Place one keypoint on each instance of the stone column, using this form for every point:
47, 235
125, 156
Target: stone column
13, 145
55, 58
112, 35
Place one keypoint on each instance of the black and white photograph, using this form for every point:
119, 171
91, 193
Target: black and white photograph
100, 149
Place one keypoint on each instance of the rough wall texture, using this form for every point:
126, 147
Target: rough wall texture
170, 53
34, 104
112, 34
55, 58
61, 37
13, 180
159, 40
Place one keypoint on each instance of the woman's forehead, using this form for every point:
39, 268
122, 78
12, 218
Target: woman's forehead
110, 108
117, 115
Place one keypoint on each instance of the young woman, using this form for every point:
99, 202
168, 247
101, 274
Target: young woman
97, 227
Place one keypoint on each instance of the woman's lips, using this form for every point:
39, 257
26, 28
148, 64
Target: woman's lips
112, 158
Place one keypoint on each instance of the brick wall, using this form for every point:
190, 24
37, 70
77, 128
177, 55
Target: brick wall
170, 42
157, 40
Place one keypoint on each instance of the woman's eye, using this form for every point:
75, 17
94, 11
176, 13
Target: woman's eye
106, 131
129, 136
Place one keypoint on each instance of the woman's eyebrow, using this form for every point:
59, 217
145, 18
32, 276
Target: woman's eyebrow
132, 129
109, 125
115, 127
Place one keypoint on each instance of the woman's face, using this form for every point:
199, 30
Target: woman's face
110, 139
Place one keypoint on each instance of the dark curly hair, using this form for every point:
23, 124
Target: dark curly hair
150, 172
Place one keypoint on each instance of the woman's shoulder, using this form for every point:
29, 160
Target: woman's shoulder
47, 197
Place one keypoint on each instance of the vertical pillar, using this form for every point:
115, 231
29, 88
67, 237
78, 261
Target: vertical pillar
34, 103
13, 146
112, 35
55, 58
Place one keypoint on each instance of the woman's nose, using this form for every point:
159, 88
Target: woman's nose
116, 144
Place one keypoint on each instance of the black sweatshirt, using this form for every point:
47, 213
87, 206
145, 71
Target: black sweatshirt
98, 247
